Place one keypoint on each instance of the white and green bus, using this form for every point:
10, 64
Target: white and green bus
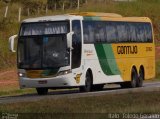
85, 50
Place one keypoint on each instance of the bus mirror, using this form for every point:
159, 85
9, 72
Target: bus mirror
69, 40
11, 43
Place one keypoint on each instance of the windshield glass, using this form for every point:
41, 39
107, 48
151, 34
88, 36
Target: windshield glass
44, 28
42, 51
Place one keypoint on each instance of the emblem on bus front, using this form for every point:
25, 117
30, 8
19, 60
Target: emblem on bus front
78, 78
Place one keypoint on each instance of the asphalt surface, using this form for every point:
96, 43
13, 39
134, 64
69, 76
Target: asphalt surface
57, 94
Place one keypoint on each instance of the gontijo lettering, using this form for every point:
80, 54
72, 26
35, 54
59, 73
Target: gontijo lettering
127, 49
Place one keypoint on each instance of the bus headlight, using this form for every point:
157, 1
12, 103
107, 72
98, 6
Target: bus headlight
64, 72
21, 74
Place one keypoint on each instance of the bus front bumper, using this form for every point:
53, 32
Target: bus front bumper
59, 81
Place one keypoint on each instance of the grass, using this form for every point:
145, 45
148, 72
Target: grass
148, 103
12, 90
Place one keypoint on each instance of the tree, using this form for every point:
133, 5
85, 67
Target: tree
34, 5
64, 3
6, 1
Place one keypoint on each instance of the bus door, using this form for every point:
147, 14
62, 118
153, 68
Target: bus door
77, 50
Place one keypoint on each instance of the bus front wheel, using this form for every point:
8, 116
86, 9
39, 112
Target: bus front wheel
42, 91
88, 83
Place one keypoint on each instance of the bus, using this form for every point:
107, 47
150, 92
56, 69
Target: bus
85, 50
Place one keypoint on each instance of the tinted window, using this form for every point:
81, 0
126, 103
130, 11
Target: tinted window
132, 36
44, 28
42, 52
111, 32
88, 31
148, 32
100, 32
122, 30
76, 44
116, 32
140, 32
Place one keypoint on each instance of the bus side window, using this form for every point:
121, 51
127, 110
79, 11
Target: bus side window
148, 31
91, 33
122, 32
100, 31
145, 32
85, 32
88, 31
140, 33
132, 32
111, 32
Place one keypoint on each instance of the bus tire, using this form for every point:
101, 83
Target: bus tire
88, 83
134, 78
42, 91
140, 78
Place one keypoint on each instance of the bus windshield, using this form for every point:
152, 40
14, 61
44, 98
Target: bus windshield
44, 28
43, 49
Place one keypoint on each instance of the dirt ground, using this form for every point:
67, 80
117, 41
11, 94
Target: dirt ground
8, 78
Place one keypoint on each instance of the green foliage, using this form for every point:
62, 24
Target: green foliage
34, 5
24, 1
67, 3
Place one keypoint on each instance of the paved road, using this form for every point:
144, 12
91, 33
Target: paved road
109, 89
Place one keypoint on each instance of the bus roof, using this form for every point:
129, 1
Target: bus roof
97, 14
90, 15
127, 19
50, 18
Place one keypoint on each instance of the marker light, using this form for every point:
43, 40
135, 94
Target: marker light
64, 72
21, 74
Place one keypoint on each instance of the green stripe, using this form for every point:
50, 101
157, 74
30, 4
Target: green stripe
107, 59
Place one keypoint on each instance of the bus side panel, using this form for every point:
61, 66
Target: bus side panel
102, 68
129, 55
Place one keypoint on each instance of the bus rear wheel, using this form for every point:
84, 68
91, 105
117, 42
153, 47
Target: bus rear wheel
134, 78
88, 83
42, 91
140, 78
